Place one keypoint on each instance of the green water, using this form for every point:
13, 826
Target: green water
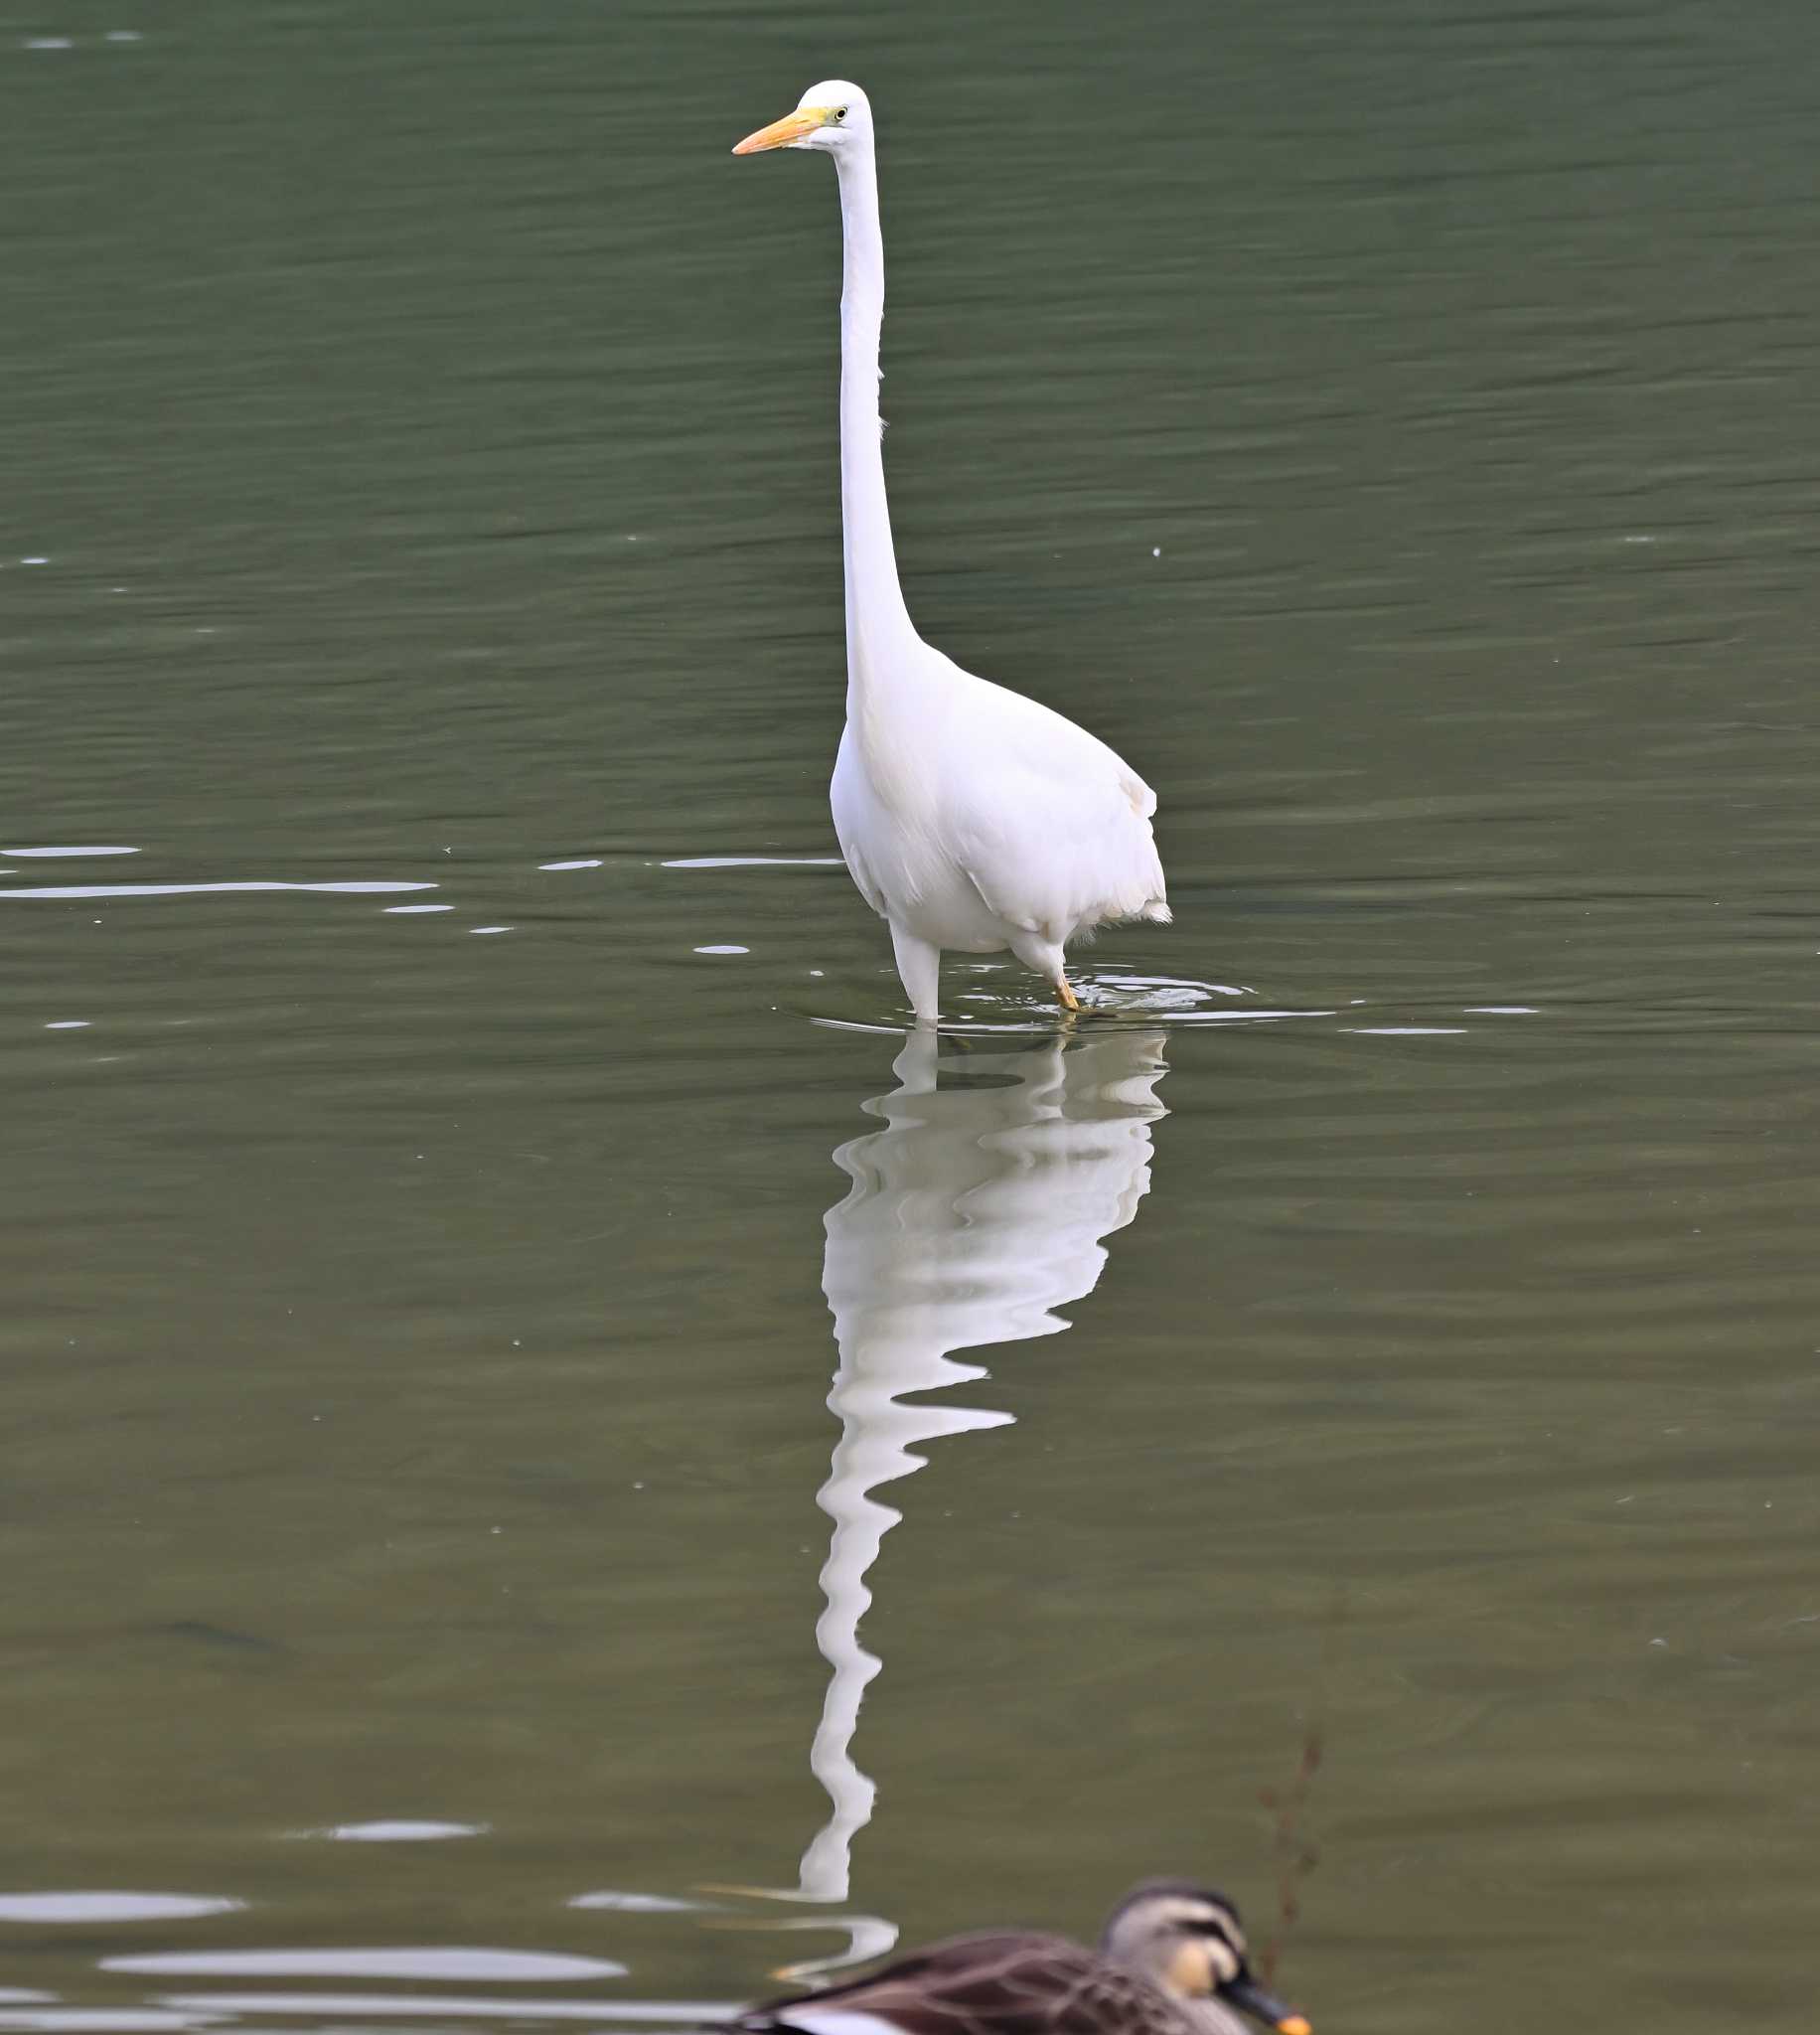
1394, 1314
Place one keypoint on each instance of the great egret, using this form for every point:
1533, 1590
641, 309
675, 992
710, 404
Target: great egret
971, 817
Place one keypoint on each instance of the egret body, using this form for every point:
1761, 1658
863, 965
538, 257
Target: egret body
971, 817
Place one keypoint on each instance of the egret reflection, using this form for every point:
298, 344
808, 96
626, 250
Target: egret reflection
977, 1209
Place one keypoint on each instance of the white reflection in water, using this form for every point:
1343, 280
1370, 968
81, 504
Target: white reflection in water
754, 862
973, 1213
67, 891
1405, 1031
435, 2007
469, 1964
113, 1906
61, 853
102, 2020
397, 1830
637, 1904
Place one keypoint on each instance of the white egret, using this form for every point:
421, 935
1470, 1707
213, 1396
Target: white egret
971, 817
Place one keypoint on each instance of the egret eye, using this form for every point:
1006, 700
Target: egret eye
840, 112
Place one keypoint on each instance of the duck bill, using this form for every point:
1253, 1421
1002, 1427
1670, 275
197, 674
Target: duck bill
1265, 2006
781, 134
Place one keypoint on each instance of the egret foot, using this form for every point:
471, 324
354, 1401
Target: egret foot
1065, 995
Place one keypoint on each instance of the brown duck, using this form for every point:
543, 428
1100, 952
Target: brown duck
1172, 1962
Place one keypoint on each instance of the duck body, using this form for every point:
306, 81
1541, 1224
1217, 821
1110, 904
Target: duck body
997, 1983
1173, 1962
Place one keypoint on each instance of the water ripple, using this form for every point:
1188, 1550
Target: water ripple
102, 2020
77, 890
111, 1906
439, 2006
404, 1962
754, 862
61, 853
397, 1830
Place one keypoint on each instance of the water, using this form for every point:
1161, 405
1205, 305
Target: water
448, 1086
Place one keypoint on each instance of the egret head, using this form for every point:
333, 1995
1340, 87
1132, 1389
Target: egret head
834, 117
1188, 1939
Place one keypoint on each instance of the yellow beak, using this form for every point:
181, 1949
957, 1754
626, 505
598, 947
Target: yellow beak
781, 134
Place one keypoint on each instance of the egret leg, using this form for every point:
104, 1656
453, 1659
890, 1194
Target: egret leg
1044, 957
919, 967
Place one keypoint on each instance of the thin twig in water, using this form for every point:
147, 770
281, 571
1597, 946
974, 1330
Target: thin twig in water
1297, 1853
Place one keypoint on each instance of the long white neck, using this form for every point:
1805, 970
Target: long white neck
877, 622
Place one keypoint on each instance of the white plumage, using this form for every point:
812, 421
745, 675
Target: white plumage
971, 817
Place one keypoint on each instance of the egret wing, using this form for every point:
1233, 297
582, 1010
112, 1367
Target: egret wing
1052, 826
1051, 856
846, 798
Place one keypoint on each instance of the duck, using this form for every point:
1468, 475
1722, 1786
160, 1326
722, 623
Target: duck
1171, 1960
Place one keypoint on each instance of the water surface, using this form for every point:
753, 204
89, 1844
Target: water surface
557, 1465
